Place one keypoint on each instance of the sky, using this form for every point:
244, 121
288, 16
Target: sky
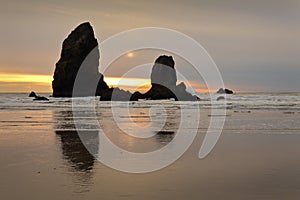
254, 43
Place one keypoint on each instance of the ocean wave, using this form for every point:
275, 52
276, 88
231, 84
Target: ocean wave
258, 101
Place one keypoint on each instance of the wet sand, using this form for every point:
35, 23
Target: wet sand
257, 157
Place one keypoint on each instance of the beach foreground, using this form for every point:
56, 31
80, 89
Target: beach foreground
42, 157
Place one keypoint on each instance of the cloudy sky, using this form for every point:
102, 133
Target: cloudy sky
255, 43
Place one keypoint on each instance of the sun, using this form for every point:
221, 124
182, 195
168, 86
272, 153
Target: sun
130, 55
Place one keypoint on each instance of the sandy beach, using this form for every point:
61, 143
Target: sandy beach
42, 157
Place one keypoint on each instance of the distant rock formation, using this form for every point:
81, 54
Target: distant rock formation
75, 49
224, 91
40, 98
163, 81
115, 94
32, 94
163, 72
37, 98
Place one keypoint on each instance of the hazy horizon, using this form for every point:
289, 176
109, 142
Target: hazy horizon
255, 44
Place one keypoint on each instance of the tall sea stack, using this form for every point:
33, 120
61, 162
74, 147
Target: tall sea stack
76, 73
163, 83
76, 47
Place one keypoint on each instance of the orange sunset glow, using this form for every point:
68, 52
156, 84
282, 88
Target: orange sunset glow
12, 82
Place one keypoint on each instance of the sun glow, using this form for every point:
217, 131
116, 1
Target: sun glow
130, 55
124, 81
25, 78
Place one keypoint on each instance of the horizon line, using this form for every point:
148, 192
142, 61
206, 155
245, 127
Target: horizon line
9, 82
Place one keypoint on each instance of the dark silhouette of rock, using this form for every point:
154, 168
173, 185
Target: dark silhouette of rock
80, 44
163, 83
115, 94
136, 96
76, 47
224, 91
32, 94
163, 72
40, 98
37, 98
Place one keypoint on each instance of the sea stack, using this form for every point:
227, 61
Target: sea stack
76, 47
224, 91
76, 73
37, 98
163, 83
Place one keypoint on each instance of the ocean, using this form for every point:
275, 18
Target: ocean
44, 155
243, 101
